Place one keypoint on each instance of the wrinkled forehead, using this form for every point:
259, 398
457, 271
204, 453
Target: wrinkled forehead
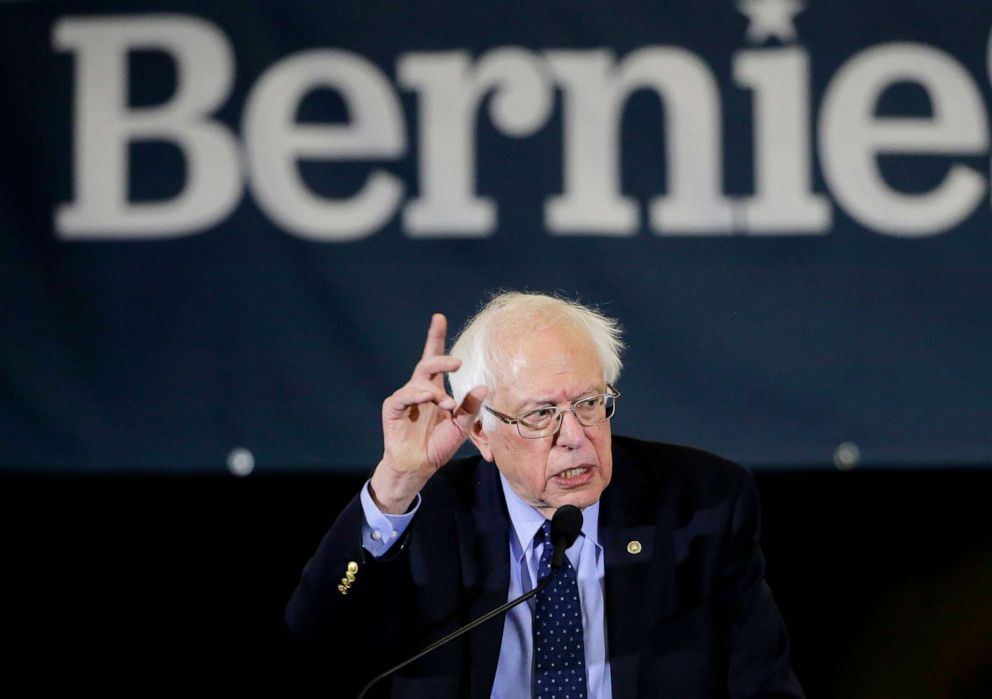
522, 355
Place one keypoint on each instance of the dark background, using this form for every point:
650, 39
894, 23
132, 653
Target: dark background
174, 587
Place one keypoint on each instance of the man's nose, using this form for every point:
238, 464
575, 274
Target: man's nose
571, 434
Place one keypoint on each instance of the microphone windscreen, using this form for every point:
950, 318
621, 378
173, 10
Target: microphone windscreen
566, 525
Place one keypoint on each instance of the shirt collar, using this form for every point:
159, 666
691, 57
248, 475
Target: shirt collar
526, 521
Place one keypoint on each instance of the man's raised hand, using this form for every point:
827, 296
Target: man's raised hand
422, 426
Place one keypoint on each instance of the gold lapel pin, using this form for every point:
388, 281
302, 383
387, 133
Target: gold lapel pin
634, 547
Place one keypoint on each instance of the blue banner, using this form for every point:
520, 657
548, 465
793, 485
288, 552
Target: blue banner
224, 226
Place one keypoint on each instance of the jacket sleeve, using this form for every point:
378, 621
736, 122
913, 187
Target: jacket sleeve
351, 604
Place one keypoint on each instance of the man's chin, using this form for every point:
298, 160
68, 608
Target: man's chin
581, 497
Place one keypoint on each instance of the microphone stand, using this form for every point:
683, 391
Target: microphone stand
458, 632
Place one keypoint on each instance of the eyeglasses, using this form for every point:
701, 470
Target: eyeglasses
546, 421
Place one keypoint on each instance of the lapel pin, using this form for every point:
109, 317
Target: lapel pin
634, 547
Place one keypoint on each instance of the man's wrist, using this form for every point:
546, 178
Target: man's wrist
393, 494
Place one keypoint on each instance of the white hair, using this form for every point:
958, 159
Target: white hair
516, 312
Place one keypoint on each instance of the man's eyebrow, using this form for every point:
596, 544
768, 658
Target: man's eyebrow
592, 389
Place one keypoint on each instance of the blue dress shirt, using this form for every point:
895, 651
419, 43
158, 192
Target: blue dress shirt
514, 673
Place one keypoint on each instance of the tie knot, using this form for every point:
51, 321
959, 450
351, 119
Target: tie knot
544, 533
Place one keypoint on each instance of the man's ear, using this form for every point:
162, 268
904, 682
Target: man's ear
480, 438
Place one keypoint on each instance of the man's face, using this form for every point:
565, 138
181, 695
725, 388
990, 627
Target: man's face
551, 367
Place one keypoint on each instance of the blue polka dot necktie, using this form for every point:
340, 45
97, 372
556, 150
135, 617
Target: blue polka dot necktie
559, 650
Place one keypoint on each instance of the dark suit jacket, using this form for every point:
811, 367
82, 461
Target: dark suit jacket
688, 616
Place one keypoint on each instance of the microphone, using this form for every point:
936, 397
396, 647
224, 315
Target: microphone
565, 527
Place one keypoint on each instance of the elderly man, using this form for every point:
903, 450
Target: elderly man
661, 595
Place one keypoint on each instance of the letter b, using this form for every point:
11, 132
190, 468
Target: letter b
104, 126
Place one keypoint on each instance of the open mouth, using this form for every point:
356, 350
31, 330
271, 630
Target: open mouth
573, 476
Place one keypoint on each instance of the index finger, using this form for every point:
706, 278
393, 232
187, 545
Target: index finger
436, 336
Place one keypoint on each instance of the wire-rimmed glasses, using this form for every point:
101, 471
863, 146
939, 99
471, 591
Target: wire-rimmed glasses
546, 420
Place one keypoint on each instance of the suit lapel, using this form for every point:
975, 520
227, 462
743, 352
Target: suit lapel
636, 535
487, 577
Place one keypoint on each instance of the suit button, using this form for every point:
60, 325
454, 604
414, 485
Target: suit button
352, 567
342, 589
634, 547
350, 577
346, 582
